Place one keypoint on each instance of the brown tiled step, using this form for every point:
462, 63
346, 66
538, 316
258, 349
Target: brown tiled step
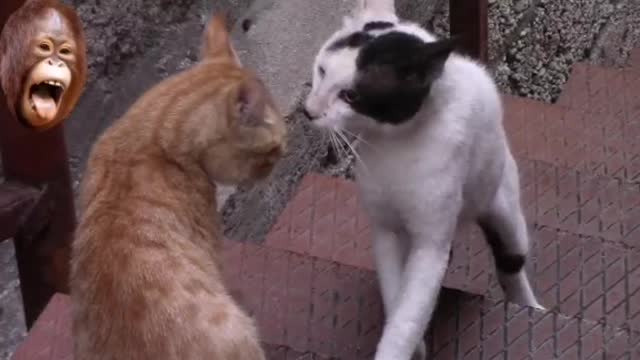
472, 327
596, 88
324, 217
634, 61
564, 198
319, 309
50, 337
332, 309
281, 352
590, 142
600, 89
577, 274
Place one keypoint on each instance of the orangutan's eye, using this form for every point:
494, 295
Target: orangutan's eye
44, 46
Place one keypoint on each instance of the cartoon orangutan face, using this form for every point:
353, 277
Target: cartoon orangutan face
43, 65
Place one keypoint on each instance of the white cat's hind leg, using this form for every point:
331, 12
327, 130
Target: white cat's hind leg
421, 352
505, 230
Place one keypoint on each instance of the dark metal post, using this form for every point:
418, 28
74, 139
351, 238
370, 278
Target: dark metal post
469, 19
42, 244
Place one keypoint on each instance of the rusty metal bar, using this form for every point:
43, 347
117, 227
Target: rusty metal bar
39, 159
469, 20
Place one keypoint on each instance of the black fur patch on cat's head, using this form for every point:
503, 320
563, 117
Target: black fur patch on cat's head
377, 25
394, 75
355, 40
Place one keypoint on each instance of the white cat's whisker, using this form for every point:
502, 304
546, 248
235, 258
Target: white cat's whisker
343, 147
336, 146
359, 138
353, 151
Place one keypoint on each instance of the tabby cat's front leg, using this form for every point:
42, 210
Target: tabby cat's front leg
425, 268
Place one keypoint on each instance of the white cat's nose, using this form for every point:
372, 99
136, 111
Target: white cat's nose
309, 113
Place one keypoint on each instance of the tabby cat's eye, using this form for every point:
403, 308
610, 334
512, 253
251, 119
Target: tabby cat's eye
349, 96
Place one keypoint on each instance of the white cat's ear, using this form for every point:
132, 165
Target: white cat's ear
347, 21
377, 6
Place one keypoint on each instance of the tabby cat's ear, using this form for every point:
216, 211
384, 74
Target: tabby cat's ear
251, 102
217, 42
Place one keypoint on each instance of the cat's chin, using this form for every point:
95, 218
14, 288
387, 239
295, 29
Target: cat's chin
248, 184
257, 178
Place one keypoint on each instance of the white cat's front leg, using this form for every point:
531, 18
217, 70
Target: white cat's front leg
424, 271
389, 254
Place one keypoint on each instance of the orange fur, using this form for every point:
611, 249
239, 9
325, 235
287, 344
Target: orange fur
146, 281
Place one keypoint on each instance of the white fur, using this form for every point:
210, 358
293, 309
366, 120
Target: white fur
223, 192
449, 164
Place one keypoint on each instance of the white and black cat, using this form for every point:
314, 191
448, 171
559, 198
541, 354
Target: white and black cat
433, 154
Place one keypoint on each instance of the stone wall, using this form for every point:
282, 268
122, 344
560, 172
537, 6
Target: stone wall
533, 43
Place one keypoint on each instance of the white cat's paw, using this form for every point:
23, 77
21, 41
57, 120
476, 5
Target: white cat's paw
532, 301
538, 306
421, 352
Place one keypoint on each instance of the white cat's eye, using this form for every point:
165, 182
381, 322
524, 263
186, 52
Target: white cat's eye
349, 96
321, 71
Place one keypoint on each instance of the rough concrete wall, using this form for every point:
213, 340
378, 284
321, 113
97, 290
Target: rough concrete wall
534, 43
132, 45
11, 317
119, 31
550, 36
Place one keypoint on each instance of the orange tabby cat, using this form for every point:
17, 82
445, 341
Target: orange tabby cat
146, 281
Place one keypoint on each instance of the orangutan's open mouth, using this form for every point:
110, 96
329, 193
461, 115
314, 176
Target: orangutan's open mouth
44, 98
